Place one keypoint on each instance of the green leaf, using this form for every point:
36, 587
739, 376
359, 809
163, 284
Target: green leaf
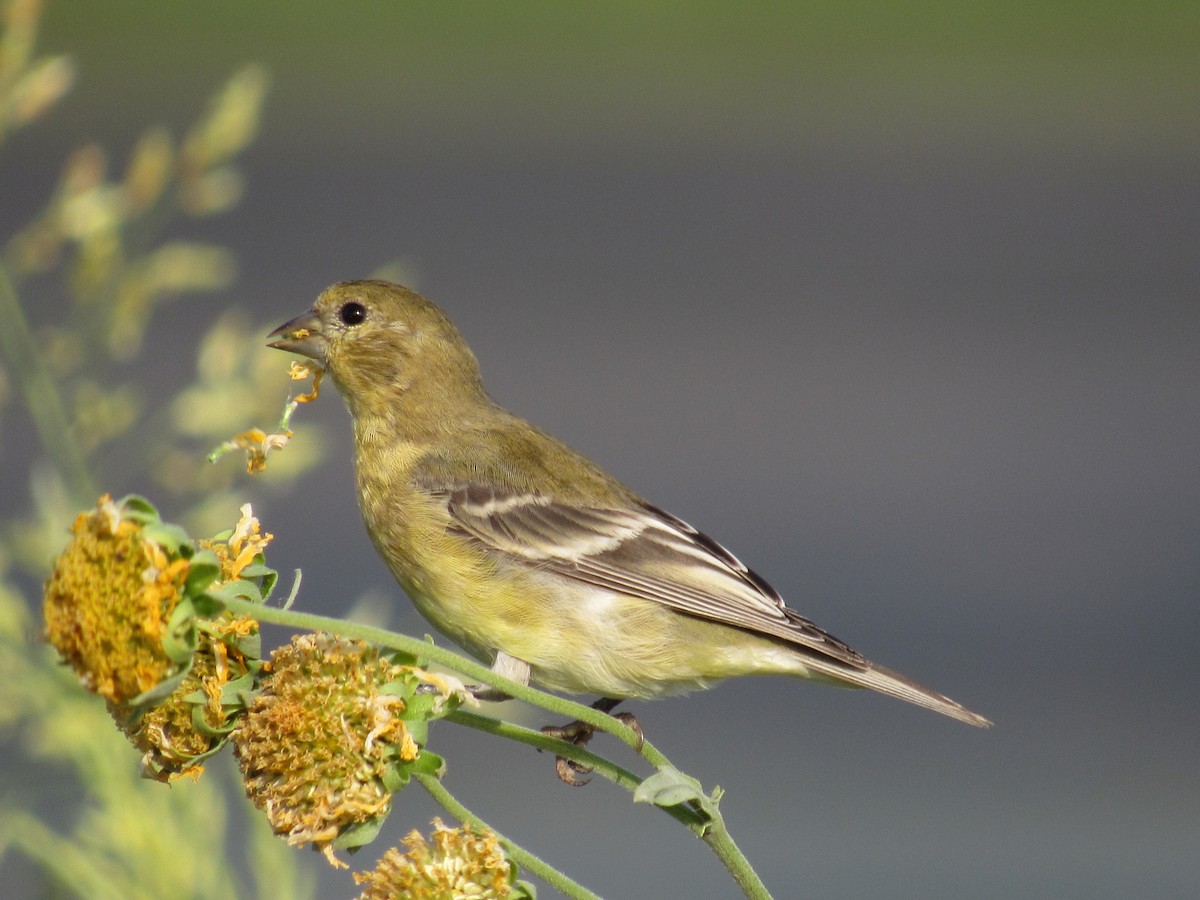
203, 569
356, 836
181, 638
670, 787
198, 758
400, 658
257, 569
248, 645
159, 692
395, 777
418, 730
269, 580
200, 723
294, 592
236, 590
238, 693
138, 508
169, 536
402, 688
428, 764
518, 889
426, 706
417, 707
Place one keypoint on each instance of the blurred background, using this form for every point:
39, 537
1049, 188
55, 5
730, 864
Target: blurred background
898, 301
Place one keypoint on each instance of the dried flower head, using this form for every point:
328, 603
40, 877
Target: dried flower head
456, 863
336, 729
130, 607
108, 602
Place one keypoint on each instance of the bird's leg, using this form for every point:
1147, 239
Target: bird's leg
579, 733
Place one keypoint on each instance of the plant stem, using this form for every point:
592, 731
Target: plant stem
685, 813
541, 741
722, 844
526, 860
28, 368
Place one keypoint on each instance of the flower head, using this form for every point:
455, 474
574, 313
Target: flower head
109, 599
129, 608
335, 730
456, 863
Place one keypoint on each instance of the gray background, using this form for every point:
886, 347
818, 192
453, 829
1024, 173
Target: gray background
899, 302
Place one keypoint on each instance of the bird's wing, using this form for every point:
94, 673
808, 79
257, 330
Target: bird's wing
640, 551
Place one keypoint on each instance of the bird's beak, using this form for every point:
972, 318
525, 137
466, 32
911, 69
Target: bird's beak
301, 335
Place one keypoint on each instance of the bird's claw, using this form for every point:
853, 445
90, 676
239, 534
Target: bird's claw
577, 733
569, 771
580, 733
629, 720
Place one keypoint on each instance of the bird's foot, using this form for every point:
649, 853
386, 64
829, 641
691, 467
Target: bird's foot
579, 733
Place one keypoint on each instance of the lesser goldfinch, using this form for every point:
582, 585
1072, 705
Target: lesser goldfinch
528, 554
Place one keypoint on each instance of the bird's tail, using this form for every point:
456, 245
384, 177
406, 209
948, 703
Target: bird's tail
885, 681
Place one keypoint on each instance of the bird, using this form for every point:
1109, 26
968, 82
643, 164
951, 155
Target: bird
527, 554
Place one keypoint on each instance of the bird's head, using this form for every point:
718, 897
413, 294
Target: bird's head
385, 346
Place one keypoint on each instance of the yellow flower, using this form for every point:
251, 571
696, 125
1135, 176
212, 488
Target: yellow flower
108, 600
459, 863
119, 609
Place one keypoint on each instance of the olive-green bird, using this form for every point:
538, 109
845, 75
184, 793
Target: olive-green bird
528, 554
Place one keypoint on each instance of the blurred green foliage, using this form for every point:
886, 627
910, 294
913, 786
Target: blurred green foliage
1015, 72
101, 242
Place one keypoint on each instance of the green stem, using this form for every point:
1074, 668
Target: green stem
685, 813
541, 741
722, 844
707, 824
526, 860
28, 368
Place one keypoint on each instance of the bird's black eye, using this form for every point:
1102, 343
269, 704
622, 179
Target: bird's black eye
352, 313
